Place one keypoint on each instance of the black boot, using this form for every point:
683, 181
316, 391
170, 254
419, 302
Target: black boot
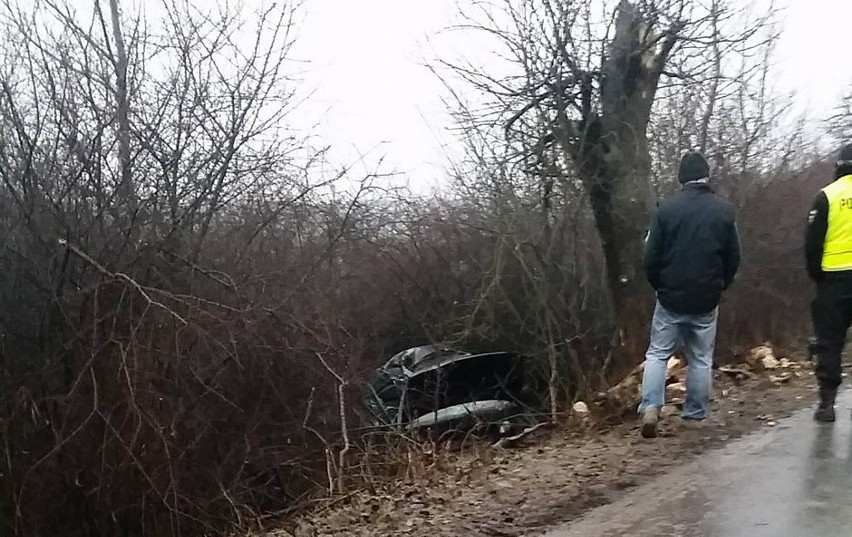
825, 410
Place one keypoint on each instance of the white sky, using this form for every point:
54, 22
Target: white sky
815, 53
374, 97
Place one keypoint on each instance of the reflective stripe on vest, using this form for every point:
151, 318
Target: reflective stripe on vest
837, 252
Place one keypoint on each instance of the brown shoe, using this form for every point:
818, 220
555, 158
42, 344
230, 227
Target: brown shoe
649, 422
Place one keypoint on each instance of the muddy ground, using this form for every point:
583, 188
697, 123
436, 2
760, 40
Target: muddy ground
554, 478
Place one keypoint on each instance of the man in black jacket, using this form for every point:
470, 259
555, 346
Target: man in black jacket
828, 254
692, 253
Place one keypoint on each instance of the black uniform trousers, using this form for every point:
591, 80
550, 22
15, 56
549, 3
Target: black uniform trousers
831, 312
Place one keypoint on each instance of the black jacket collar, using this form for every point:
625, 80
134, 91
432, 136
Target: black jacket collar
694, 185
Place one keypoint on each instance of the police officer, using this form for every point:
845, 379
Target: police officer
828, 253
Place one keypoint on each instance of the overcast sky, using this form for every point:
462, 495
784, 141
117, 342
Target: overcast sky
815, 51
374, 97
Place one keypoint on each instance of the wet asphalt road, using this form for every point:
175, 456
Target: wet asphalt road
794, 480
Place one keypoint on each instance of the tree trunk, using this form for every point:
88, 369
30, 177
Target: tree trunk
126, 188
620, 196
612, 157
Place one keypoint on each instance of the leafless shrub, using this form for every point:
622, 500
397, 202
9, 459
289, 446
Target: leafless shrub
189, 304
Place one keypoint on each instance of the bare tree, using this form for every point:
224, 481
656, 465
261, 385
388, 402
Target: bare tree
189, 302
840, 123
579, 100
730, 111
152, 196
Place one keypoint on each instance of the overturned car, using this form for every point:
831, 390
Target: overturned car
442, 388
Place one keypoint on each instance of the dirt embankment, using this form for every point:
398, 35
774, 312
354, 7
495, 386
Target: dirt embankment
558, 477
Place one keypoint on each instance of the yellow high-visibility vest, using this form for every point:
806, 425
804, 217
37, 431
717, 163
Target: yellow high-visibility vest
837, 251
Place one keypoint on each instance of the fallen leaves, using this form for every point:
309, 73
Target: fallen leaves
780, 379
763, 358
487, 491
737, 373
627, 394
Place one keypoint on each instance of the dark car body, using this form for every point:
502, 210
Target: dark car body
433, 386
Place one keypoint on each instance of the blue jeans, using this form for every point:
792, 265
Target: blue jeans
696, 335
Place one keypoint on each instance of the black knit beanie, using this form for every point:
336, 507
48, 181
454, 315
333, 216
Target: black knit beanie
844, 162
693, 166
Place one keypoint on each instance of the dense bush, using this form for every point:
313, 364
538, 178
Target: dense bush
189, 301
